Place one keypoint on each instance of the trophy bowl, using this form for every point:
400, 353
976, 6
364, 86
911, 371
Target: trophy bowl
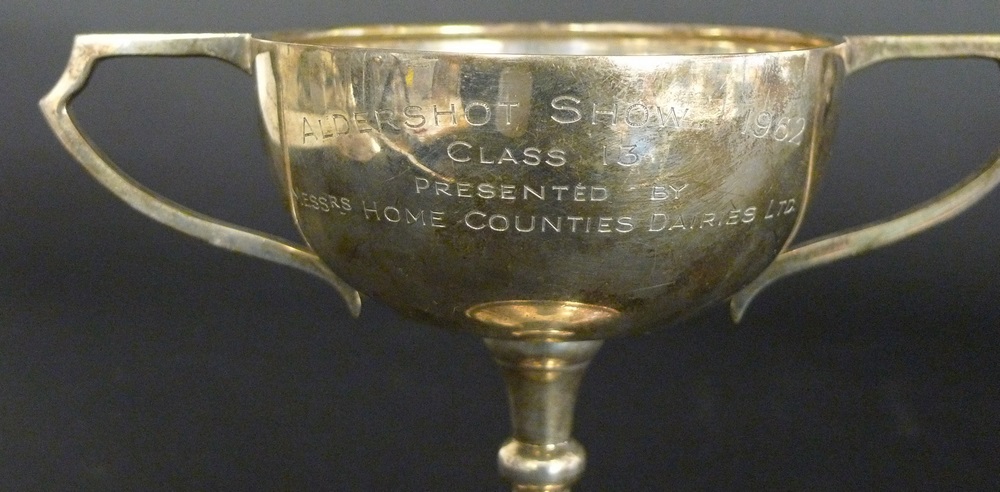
548, 182
544, 186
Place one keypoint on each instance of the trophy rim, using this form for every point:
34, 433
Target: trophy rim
404, 37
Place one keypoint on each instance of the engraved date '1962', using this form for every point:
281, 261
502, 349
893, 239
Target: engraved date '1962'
767, 125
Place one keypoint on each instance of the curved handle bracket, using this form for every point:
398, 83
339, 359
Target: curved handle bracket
861, 52
233, 48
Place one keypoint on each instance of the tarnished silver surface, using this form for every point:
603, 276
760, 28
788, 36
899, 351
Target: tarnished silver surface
597, 186
540, 185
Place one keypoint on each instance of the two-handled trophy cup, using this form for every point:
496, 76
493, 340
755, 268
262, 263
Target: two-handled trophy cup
542, 186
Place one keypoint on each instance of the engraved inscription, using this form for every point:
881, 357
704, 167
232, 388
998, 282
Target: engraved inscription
323, 203
765, 125
505, 222
668, 192
412, 117
462, 152
622, 155
569, 109
402, 215
565, 110
479, 221
510, 192
780, 207
660, 222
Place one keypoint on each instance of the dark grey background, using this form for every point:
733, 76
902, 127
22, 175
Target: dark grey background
135, 358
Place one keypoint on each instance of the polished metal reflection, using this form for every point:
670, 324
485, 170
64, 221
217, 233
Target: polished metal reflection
540, 319
543, 186
632, 183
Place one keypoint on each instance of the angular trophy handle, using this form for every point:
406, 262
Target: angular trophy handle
233, 48
860, 52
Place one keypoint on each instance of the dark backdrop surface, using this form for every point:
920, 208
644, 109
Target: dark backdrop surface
135, 358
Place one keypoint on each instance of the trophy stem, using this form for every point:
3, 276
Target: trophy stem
542, 381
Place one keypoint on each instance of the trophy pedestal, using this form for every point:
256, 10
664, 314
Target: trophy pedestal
542, 381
